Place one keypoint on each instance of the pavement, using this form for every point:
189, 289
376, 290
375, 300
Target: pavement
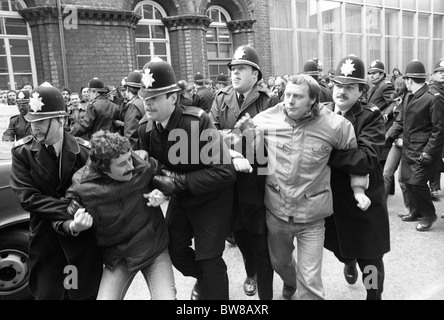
414, 268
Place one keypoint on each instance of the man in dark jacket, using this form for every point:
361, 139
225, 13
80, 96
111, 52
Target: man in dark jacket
355, 236
19, 127
243, 97
42, 167
203, 98
199, 174
422, 128
100, 113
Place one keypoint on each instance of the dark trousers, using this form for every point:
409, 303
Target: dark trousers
254, 249
368, 268
421, 204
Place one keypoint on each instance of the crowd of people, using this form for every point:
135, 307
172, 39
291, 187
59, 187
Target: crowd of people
253, 161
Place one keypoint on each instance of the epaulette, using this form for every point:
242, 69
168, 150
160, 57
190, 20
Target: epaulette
373, 108
83, 142
14, 116
194, 111
22, 141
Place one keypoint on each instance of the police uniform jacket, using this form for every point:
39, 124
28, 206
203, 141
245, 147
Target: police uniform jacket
100, 115
40, 188
18, 129
133, 114
209, 192
249, 205
422, 128
203, 98
351, 232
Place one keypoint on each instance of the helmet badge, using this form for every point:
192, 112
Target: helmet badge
35, 102
348, 67
239, 54
148, 78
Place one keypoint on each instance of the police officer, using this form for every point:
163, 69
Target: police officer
42, 167
203, 97
134, 111
100, 113
352, 235
185, 96
19, 127
243, 97
422, 128
202, 185
311, 69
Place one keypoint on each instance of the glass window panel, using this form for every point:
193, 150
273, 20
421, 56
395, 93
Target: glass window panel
391, 22
353, 18
20, 79
307, 14
331, 16
282, 52
148, 11
3, 65
223, 18
215, 15
391, 54
157, 14
409, 4
15, 27
332, 50
353, 45
280, 13
212, 51
407, 24
407, 50
211, 35
438, 6
392, 3
143, 48
423, 46
214, 69
142, 31
373, 20
224, 35
374, 48
2, 47
437, 26
224, 51
308, 47
437, 51
4, 81
19, 47
21, 64
4, 5
141, 61
160, 48
375, 2
158, 32
423, 25
424, 5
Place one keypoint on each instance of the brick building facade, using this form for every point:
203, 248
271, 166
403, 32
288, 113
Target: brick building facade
99, 37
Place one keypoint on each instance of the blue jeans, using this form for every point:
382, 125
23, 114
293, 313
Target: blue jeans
159, 277
305, 274
390, 167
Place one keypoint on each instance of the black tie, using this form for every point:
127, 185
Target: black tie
241, 100
52, 152
159, 127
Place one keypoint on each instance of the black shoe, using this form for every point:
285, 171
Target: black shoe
288, 291
196, 293
230, 240
250, 286
410, 218
426, 223
351, 273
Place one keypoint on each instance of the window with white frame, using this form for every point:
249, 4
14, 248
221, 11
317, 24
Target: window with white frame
17, 64
219, 43
152, 39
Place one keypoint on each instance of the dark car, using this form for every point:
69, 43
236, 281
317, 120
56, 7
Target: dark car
14, 236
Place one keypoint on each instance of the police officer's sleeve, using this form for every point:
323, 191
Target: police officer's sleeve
10, 133
32, 199
371, 141
219, 172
